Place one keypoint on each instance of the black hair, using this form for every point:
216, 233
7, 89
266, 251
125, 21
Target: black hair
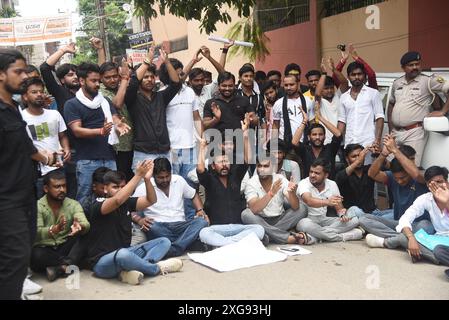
260, 76
291, 66
99, 173
65, 68
8, 57
314, 126
30, 68
161, 164
435, 171
195, 72
245, 69
274, 73
322, 163
407, 150
115, 177
281, 146
55, 175
108, 66
207, 74
351, 147
32, 81
354, 66
313, 73
85, 68
163, 72
267, 85
329, 82
224, 76
396, 166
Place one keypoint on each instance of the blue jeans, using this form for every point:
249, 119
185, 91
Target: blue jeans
140, 156
357, 212
142, 257
181, 233
184, 161
84, 172
223, 234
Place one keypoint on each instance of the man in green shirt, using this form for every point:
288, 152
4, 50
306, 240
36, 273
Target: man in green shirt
59, 223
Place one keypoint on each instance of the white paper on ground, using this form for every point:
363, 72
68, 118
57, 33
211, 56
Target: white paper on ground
294, 250
248, 252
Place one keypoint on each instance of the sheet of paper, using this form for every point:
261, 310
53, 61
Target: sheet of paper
294, 250
248, 252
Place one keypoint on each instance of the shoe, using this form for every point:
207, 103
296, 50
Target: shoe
133, 277
54, 273
30, 287
363, 230
170, 265
447, 273
354, 234
374, 241
265, 240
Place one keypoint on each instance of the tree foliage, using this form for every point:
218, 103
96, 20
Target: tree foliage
8, 12
117, 33
206, 11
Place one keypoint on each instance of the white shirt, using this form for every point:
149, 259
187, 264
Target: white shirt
44, 130
180, 118
171, 208
439, 219
275, 207
330, 189
329, 111
359, 115
294, 107
206, 94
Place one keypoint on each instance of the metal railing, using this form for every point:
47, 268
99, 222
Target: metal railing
279, 14
334, 7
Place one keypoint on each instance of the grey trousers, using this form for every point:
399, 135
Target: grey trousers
326, 228
276, 228
442, 254
385, 228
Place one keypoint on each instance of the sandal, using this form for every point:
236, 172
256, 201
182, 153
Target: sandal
302, 238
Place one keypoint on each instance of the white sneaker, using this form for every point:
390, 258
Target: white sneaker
170, 265
374, 241
354, 234
133, 277
30, 287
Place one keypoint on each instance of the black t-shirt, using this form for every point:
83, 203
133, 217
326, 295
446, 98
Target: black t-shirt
357, 191
232, 112
224, 205
95, 148
17, 171
329, 151
111, 231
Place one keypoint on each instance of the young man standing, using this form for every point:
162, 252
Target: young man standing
313, 77
93, 122
59, 222
320, 196
17, 196
109, 253
45, 127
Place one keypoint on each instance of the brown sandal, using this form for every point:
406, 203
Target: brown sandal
301, 237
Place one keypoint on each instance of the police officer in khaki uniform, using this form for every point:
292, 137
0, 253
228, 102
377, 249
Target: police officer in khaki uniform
411, 98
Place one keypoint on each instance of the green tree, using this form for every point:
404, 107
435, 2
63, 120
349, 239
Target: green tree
206, 11
8, 12
115, 27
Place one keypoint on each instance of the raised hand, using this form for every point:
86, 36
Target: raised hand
150, 54
323, 66
143, 168
440, 193
390, 143
205, 51
277, 185
196, 57
216, 111
331, 64
70, 48
292, 186
246, 122
97, 43
163, 57
353, 51
150, 167
124, 70
228, 45
122, 127
362, 155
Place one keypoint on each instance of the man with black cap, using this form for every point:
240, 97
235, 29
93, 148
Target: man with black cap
411, 98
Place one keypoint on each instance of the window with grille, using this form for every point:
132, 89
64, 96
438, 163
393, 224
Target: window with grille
282, 13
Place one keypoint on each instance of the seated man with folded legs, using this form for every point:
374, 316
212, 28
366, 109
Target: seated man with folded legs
109, 251
265, 194
224, 202
322, 198
166, 217
401, 234
60, 222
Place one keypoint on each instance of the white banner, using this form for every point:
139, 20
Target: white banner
25, 31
